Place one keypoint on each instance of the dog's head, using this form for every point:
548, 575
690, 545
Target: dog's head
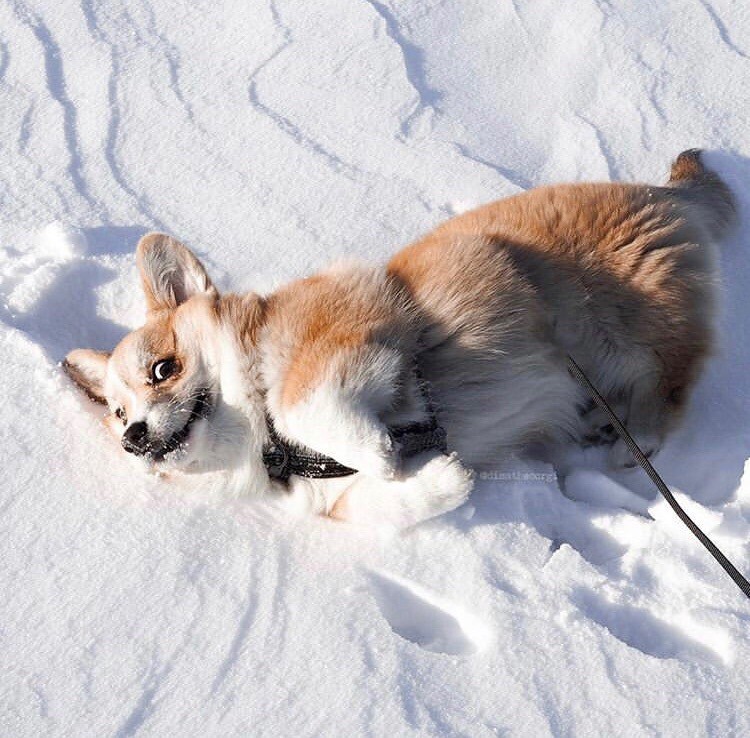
161, 382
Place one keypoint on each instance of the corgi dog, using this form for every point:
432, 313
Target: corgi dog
482, 312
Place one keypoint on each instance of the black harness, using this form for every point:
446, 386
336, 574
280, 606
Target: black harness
284, 459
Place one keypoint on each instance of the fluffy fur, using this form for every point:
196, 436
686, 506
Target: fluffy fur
486, 307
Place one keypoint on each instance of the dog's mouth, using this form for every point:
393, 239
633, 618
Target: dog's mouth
202, 408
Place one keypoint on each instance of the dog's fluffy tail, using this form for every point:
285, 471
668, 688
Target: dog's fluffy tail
703, 189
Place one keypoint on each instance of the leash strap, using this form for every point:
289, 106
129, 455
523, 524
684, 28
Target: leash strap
646, 465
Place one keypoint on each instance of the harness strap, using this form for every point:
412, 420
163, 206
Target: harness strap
282, 460
646, 465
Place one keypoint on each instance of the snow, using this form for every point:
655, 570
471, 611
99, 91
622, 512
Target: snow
273, 137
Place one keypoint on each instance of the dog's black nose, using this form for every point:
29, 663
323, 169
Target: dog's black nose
135, 439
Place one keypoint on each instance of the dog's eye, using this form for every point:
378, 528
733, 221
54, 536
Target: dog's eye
163, 369
122, 415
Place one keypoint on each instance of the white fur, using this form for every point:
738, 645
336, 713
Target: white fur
343, 416
343, 428
431, 484
238, 427
346, 417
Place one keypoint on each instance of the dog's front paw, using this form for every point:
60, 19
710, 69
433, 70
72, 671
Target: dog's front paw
429, 485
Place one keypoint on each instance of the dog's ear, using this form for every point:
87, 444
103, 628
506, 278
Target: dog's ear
87, 369
170, 272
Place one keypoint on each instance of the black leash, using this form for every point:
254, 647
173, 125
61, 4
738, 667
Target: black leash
646, 465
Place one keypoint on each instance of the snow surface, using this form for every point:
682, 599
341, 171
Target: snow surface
274, 136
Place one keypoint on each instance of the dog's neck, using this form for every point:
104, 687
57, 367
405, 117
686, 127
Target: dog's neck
244, 315
241, 410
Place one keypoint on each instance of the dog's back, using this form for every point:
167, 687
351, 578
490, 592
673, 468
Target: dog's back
621, 276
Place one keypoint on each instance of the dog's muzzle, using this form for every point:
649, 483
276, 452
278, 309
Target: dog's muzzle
135, 439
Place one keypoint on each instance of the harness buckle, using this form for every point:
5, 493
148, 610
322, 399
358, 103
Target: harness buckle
276, 458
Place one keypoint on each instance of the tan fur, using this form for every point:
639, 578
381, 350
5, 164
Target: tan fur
332, 315
87, 368
245, 313
602, 243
